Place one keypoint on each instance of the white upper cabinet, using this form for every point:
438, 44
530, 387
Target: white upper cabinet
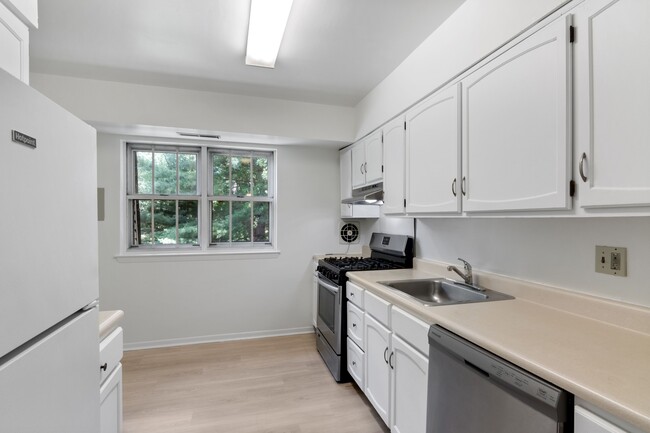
612, 84
394, 154
516, 126
14, 45
345, 167
433, 154
367, 160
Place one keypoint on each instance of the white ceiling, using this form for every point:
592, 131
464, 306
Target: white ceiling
333, 52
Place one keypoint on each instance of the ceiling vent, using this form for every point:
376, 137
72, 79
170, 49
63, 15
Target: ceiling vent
349, 233
192, 135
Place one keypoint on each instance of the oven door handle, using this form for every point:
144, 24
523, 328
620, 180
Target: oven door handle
330, 287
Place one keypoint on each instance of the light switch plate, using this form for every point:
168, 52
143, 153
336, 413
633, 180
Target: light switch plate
611, 260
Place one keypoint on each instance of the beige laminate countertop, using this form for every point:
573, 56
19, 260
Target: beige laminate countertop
108, 321
598, 350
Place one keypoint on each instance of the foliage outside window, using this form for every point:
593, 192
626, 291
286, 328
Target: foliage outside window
172, 205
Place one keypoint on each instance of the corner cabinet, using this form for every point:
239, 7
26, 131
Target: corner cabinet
433, 154
612, 103
517, 126
394, 155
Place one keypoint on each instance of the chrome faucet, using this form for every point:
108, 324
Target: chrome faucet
467, 276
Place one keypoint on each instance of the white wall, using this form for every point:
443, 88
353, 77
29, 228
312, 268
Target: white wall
477, 28
179, 301
136, 104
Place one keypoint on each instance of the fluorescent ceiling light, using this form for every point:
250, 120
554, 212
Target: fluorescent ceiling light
268, 20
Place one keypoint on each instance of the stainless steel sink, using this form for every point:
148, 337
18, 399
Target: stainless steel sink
442, 291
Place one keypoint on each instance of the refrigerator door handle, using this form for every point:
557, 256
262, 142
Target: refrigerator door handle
92, 305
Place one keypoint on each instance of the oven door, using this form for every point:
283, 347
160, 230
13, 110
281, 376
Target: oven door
329, 313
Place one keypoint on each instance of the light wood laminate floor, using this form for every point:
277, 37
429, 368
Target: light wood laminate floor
269, 385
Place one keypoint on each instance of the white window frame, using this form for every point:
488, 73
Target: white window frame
205, 248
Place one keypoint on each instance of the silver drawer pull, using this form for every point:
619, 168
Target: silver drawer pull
581, 167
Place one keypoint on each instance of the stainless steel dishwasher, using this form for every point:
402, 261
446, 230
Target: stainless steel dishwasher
474, 391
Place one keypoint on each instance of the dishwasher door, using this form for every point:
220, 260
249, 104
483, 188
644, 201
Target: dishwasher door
474, 391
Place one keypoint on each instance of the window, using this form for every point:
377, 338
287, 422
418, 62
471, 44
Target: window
199, 197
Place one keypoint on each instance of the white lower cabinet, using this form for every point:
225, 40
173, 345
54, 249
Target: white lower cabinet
409, 371
588, 422
110, 390
110, 397
14, 45
394, 377
377, 386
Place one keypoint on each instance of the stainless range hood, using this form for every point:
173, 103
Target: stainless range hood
369, 194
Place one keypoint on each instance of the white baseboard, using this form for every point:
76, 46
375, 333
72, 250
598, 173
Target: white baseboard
215, 338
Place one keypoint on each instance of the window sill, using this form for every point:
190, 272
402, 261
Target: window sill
188, 256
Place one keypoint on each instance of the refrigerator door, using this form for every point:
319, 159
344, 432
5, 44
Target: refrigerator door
51, 384
48, 223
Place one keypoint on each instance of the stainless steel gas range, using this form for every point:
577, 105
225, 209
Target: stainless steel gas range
387, 252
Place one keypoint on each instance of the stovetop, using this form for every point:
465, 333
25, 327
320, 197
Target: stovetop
387, 252
334, 268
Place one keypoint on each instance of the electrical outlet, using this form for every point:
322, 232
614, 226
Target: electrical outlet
611, 260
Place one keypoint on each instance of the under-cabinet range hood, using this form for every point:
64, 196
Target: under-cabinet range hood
369, 194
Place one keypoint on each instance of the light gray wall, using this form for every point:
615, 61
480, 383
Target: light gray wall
182, 301
558, 252
135, 104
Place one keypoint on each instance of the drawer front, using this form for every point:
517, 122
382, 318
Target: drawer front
355, 363
378, 308
355, 324
355, 294
110, 353
410, 329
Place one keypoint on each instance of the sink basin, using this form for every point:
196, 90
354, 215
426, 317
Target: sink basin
442, 291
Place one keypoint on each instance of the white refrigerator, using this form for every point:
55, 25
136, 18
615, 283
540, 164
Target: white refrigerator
49, 344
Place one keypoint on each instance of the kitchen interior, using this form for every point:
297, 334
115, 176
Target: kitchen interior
455, 232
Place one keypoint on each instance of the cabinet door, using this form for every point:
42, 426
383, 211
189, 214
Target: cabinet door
110, 409
433, 154
394, 161
345, 168
409, 383
374, 158
613, 102
377, 387
358, 164
588, 422
516, 126
14, 45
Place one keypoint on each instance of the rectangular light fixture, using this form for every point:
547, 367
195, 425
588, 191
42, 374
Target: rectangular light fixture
268, 19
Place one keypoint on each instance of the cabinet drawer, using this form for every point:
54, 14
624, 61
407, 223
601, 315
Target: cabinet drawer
355, 294
355, 363
110, 353
377, 308
355, 324
411, 329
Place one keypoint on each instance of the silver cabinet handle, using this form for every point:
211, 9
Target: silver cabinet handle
365, 167
361, 168
581, 167
390, 361
462, 187
385, 352
453, 187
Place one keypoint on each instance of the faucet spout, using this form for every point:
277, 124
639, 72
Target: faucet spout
467, 275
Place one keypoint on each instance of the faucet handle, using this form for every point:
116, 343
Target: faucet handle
466, 264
